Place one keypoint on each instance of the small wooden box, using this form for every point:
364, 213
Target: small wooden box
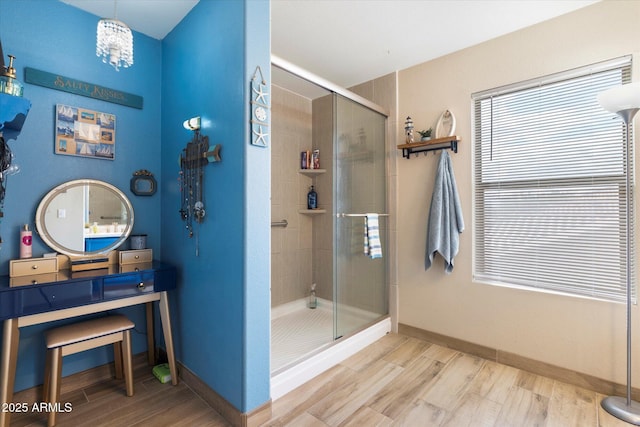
31, 266
136, 256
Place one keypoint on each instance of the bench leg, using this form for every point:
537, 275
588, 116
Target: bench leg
117, 359
47, 376
126, 356
54, 382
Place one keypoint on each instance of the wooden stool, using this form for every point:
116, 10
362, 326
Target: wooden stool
81, 336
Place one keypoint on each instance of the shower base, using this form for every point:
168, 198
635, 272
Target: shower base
302, 344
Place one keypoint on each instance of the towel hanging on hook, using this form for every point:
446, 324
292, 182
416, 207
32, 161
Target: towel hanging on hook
445, 222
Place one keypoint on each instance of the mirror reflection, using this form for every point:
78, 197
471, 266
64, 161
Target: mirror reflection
84, 217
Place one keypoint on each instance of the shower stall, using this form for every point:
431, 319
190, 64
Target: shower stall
325, 290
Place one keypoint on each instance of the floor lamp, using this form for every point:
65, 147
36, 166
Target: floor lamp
625, 101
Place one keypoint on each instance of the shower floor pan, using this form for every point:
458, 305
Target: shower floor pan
302, 344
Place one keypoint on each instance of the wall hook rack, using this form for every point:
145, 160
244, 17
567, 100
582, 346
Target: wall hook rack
446, 143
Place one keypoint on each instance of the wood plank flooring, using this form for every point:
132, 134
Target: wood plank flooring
397, 381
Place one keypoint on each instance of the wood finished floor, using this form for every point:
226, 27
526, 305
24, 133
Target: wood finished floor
397, 381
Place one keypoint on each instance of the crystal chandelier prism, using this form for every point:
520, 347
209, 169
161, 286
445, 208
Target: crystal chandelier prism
114, 43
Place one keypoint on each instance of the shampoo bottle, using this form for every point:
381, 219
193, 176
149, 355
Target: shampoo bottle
25, 242
312, 199
313, 300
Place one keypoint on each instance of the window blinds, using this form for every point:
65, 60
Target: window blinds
549, 184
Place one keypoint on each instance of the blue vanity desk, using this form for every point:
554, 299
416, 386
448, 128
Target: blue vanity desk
67, 294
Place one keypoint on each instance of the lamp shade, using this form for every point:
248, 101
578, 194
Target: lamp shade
114, 43
620, 98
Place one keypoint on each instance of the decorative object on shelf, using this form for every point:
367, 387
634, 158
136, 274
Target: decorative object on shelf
85, 133
408, 131
624, 100
449, 142
194, 157
446, 125
8, 82
259, 110
114, 41
143, 183
425, 135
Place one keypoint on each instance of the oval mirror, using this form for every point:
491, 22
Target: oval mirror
84, 217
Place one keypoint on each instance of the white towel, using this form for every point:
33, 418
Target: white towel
372, 245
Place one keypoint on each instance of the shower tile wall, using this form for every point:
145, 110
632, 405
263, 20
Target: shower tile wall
291, 247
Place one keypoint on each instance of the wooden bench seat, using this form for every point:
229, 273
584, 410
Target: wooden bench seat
81, 336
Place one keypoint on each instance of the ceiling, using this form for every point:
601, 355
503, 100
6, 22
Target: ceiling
351, 41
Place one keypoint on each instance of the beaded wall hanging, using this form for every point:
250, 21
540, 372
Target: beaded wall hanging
194, 157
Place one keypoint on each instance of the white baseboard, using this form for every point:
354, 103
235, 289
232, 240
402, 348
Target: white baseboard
297, 375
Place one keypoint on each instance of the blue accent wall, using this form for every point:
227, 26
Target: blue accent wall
221, 309
57, 38
223, 297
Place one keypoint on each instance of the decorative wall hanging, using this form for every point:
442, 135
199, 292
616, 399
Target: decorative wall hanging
194, 157
259, 110
86, 133
143, 183
78, 87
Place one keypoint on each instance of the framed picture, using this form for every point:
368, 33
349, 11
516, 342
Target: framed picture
86, 133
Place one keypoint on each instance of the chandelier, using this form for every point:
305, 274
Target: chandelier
114, 42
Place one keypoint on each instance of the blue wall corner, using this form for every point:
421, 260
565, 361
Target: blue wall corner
224, 292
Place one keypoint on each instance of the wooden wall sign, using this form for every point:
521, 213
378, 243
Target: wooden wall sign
78, 87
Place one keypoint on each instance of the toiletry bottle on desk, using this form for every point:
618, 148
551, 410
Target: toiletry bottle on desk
312, 199
25, 242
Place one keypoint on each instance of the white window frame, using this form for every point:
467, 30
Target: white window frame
499, 187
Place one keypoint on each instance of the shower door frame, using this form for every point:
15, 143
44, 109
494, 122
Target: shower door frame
349, 271
304, 74
336, 89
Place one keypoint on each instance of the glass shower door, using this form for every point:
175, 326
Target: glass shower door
360, 282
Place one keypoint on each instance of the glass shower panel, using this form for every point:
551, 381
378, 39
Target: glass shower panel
360, 283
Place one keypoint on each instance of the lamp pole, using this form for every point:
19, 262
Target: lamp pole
625, 101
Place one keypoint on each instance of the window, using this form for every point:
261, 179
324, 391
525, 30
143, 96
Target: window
549, 184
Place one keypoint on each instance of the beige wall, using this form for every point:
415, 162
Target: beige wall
577, 333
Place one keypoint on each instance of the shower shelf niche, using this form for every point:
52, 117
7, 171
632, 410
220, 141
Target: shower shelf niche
312, 211
448, 142
311, 172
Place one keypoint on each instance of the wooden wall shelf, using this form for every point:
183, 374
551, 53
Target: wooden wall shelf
448, 142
